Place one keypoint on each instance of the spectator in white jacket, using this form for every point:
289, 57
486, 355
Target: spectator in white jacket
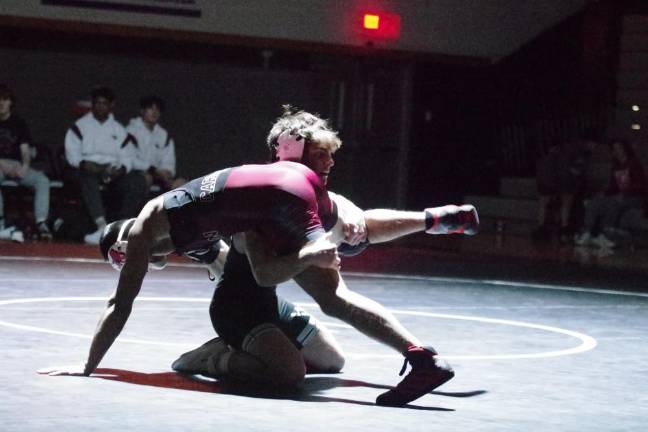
155, 150
99, 147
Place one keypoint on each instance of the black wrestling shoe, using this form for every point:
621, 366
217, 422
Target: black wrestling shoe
196, 361
428, 372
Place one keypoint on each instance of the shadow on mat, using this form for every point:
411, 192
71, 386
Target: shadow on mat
308, 392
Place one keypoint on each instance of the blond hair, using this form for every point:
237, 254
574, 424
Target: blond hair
310, 126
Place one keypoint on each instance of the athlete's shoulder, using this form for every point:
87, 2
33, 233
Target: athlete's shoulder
135, 125
294, 166
303, 170
86, 120
116, 124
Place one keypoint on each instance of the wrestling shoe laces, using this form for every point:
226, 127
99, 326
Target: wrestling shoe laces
462, 222
428, 372
452, 219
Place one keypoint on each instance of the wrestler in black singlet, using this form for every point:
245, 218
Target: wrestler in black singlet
239, 305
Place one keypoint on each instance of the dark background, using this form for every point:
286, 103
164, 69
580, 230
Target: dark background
465, 121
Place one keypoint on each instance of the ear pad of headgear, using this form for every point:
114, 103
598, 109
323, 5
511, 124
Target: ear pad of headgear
290, 147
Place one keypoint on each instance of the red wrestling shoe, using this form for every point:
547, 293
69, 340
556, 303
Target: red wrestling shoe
428, 372
452, 219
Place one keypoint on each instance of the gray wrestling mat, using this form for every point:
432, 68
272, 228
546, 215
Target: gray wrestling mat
527, 357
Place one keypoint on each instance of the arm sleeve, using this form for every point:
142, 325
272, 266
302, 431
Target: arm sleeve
168, 156
24, 134
127, 150
73, 146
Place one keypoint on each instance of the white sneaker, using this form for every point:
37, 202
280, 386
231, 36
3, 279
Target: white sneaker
17, 236
5, 233
603, 242
94, 237
583, 239
13, 234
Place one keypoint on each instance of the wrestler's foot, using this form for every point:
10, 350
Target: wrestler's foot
428, 372
196, 361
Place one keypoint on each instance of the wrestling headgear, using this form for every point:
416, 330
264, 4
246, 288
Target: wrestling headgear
290, 146
114, 241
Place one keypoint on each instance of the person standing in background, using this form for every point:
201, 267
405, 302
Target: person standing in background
626, 191
562, 174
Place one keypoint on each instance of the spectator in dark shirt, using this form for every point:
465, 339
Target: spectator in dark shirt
626, 191
15, 164
562, 174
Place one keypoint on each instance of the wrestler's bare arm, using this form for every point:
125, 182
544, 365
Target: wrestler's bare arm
350, 227
376, 226
120, 303
383, 225
270, 269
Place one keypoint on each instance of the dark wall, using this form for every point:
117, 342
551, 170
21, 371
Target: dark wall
556, 87
219, 108
448, 131
453, 152
369, 162
467, 123
221, 101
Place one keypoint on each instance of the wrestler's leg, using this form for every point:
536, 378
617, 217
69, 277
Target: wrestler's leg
266, 356
319, 348
428, 371
322, 353
369, 317
195, 361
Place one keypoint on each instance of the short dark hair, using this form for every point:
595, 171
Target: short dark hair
7, 93
102, 91
150, 100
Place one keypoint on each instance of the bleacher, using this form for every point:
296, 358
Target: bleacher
515, 210
63, 188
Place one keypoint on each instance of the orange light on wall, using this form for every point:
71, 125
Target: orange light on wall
381, 25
